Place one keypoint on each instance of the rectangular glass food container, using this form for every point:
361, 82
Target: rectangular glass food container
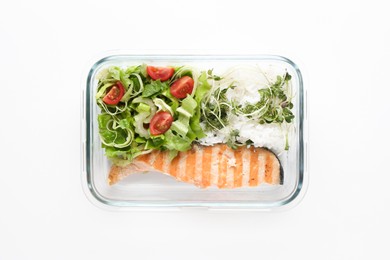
158, 191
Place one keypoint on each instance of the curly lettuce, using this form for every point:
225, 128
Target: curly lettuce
124, 128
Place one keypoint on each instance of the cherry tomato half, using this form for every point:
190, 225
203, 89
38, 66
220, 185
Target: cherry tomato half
181, 87
115, 94
161, 73
160, 123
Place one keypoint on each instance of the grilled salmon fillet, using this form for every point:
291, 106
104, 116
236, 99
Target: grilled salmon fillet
206, 166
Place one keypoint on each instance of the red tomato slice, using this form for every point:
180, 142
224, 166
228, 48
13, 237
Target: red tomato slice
115, 94
181, 87
160, 123
161, 73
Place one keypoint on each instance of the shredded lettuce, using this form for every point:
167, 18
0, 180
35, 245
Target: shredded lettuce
114, 132
142, 107
151, 112
202, 88
172, 101
103, 89
123, 127
139, 124
134, 88
155, 142
176, 143
185, 112
154, 88
162, 106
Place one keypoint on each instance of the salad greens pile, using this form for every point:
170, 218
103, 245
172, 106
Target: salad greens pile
125, 125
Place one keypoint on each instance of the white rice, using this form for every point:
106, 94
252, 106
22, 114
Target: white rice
270, 136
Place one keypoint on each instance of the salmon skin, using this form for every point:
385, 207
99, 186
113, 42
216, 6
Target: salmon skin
206, 166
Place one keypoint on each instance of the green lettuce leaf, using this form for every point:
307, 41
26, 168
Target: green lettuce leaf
124, 156
201, 90
114, 133
162, 106
185, 111
176, 143
154, 88
139, 124
155, 142
102, 90
172, 101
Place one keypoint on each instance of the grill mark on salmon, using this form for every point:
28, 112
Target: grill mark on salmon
189, 174
254, 167
261, 168
166, 163
238, 168
158, 162
206, 166
214, 165
231, 162
198, 166
222, 167
182, 166
174, 165
268, 170
153, 156
144, 158
245, 167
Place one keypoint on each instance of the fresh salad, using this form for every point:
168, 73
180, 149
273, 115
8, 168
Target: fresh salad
146, 108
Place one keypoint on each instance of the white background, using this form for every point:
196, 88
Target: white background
343, 49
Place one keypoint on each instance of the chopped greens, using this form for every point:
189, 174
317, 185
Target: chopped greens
124, 128
185, 112
154, 88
